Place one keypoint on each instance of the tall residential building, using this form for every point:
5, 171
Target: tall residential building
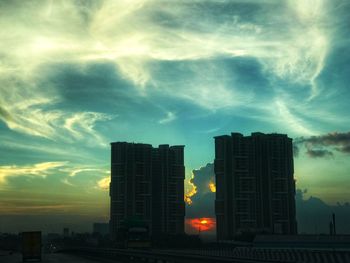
147, 183
255, 188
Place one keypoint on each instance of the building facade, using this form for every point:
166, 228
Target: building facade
255, 187
147, 183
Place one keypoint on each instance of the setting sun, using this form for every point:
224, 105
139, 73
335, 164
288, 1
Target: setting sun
201, 224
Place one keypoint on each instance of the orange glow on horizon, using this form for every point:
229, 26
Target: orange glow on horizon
201, 224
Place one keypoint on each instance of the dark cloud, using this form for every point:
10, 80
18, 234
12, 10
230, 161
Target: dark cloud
202, 177
335, 138
345, 149
203, 201
202, 206
295, 150
324, 145
318, 153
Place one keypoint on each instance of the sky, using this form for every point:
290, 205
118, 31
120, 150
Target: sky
77, 75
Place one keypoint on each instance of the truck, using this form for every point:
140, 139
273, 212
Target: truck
134, 233
31, 246
138, 238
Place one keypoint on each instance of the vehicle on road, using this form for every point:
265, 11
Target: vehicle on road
138, 237
134, 233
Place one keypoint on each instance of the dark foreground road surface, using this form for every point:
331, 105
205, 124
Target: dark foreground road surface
52, 258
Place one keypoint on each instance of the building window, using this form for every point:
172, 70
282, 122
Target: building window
140, 169
139, 208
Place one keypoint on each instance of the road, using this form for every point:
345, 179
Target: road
53, 258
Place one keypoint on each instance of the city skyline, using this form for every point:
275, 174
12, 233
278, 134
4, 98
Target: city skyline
77, 75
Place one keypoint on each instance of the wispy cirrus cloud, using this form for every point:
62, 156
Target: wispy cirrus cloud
66, 173
76, 171
302, 61
293, 122
82, 124
136, 34
91, 173
29, 117
170, 116
40, 169
138, 37
35, 117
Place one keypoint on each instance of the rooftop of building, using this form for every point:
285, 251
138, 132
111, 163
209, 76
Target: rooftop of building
253, 134
148, 145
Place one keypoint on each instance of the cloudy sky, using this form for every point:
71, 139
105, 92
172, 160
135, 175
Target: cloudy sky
77, 75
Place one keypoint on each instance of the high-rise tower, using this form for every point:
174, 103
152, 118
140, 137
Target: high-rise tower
147, 183
255, 188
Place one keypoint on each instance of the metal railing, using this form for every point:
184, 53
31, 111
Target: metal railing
171, 256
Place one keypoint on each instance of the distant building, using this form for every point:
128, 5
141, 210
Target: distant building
100, 228
65, 232
53, 236
255, 188
147, 183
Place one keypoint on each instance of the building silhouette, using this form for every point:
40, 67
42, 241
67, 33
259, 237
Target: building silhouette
100, 228
255, 188
147, 183
65, 232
